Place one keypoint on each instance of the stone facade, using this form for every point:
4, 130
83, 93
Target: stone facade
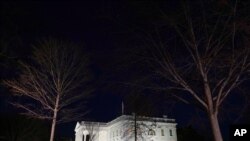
123, 129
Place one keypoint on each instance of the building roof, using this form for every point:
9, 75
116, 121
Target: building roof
164, 119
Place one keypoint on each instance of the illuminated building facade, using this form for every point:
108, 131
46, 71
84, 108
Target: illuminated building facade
125, 127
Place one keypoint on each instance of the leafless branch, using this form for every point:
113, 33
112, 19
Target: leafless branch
52, 80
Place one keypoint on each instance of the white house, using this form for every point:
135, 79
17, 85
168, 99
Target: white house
125, 127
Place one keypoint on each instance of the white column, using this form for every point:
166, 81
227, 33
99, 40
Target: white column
84, 137
78, 137
85, 133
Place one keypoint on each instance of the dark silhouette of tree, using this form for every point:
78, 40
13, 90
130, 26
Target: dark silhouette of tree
64, 139
53, 83
20, 128
189, 133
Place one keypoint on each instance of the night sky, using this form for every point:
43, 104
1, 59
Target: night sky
105, 29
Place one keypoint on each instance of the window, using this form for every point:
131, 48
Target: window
162, 132
170, 132
151, 132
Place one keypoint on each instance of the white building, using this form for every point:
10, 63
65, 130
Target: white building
123, 129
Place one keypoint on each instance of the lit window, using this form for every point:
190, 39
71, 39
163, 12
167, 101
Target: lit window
151, 132
162, 132
170, 132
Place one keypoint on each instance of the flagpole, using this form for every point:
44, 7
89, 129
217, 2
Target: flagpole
122, 108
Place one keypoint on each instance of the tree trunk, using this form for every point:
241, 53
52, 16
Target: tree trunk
212, 112
53, 127
215, 127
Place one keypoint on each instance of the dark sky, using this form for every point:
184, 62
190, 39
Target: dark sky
103, 28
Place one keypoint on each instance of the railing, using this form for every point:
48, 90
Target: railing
142, 118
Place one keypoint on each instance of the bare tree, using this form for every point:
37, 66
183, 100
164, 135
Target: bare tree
53, 84
212, 60
138, 128
141, 105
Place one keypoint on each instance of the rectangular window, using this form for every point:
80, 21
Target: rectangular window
162, 132
170, 132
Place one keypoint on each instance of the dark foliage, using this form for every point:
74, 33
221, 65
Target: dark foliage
188, 134
20, 128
